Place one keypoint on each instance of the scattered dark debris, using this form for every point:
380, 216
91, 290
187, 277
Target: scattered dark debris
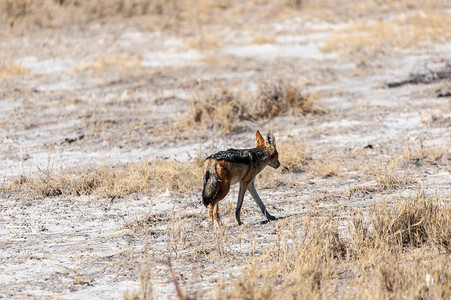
416, 162
164, 100
147, 221
71, 140
442, 93
425, 77
82, 281
26, 156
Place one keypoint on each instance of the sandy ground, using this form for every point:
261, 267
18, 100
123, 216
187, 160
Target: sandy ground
69, 112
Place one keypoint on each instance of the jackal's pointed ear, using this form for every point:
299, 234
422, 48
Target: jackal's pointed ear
271, 140
260, 139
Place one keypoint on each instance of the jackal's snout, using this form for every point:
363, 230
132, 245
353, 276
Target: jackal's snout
274, 161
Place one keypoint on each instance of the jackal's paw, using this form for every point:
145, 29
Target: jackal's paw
271, 218
240, 223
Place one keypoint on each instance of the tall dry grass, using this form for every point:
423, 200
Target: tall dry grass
197, 16
160, 14
394, 251
103, 63
120, 180
50, 13
226, 110
10, 68
280, 97
217, 108
425, 154
112, 180
293, 159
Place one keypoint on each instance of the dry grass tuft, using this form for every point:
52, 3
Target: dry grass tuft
113, 181
428, 154
145, 292
205, 41
392, 174
260, 39
292, 157
281, 97
103, 63
218, 108
9, 68
390, 178
413, 222
222, 109
324, 166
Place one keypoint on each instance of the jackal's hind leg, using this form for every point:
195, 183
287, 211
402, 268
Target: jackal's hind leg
216, 213
210, 211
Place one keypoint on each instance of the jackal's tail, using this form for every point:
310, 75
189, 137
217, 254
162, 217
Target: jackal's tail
210, 187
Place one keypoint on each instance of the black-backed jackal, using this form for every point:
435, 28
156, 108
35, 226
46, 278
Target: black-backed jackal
225, 168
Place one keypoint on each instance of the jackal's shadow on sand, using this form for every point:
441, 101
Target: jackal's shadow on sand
277, 219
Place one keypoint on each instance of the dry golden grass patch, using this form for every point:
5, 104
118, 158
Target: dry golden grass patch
142, 176
262, 38
293, 159
391, 175
412, 4
49, 13
205, 41
401, 170
393, 250
103, 63
326, 166
221, 61
336, 11
270, 179
402, 33
397, 251
428, 154
10, 68
184, 17
187, 17
112, 181
414, 222
398, 172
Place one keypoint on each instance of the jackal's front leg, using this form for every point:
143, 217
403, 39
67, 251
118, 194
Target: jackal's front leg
239, 203
253, 192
